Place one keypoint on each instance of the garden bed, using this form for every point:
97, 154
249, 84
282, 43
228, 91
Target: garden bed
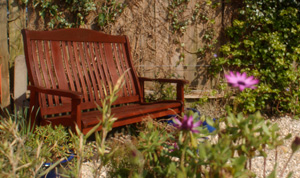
287, 126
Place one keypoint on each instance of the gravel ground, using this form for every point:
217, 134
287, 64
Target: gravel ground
287, 125
88, 168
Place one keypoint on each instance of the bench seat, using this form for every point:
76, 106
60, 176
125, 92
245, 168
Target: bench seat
132, 113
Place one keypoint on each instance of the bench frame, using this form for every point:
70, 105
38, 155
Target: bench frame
67, 92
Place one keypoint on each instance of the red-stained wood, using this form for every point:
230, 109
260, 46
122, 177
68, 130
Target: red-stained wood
69, 69
0, 84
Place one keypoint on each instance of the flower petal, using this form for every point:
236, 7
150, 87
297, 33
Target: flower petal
195, 131
243, 76
190, 123
197, 124
241, 80
242, 87
177, 122
231, 78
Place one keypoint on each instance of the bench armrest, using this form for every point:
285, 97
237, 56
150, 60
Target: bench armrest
75, 96
57, 92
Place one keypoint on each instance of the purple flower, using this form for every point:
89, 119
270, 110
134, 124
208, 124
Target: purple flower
187, 124
241, 80
215, 55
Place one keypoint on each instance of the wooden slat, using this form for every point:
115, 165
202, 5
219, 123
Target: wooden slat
125, 67
119, 69
98, 69
58, 65
73, 65
103, 66
87, 50
128, 66
44, 69
110, 63
86, 75
79, 69
97, 73
50, 69
68, 67
37, 71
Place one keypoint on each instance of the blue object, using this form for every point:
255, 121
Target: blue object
52, 173
209, 127
170, 121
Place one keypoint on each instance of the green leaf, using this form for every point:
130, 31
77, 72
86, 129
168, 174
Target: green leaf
189, 152
202, 152
288, 136
273, 173
290, 174
266, 130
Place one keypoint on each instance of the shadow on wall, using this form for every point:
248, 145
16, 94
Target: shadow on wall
20, 82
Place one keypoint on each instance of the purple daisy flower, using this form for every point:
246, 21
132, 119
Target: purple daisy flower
187, 124
241, 80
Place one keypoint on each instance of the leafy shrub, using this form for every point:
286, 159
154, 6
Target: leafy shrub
160, 150
23, 151
264, 42
56, 142
17, 159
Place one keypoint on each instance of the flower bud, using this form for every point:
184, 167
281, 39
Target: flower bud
296, 144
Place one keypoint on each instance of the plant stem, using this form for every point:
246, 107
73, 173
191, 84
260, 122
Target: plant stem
265, 163
276, 154
185, 143
281, 175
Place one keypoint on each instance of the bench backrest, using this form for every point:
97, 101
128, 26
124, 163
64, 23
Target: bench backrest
79, 60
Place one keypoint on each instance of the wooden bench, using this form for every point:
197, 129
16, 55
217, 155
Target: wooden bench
67, 69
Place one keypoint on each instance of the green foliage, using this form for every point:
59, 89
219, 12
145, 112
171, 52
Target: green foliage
22, 151
179, 20
16, 159
161, 91
56, 142
158, 150
74, 13
110, 10
54, 11
264, 42
238, 140
106, 123
175, 12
